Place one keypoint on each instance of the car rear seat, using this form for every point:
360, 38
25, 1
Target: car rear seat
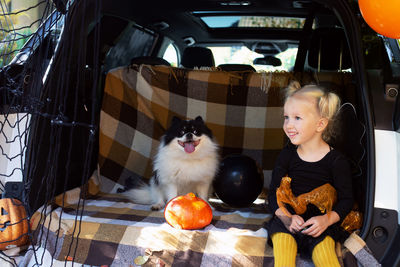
197, 57
329, 50
328, 56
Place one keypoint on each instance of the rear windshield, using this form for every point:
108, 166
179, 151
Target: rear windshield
243, 55
253, 21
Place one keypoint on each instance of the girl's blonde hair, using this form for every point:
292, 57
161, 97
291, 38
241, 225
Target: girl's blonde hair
328, 103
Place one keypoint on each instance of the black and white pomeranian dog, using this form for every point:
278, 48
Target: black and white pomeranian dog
186, 161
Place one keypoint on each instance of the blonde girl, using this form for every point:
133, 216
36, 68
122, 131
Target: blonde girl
309, 114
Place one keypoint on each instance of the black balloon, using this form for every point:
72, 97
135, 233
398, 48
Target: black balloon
239, 181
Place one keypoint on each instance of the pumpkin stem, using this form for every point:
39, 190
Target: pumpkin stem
192, 195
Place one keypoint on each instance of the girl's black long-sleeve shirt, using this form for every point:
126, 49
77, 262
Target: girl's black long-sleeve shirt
333, 168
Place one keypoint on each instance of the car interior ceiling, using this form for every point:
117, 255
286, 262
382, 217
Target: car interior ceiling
178, 22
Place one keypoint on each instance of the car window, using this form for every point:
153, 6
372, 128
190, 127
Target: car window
25, 29
171, 55
242, 55
134, 42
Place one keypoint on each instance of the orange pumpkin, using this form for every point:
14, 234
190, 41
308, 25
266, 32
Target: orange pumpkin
13, 224
188, 212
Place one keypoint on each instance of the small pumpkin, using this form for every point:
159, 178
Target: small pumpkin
188, 212
13, 223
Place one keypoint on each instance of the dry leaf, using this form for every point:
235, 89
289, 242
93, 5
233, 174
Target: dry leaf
140, 260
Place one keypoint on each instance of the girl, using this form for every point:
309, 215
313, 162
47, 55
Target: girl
310, 161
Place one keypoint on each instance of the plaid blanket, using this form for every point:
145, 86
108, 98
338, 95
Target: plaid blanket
100, 228
108, 230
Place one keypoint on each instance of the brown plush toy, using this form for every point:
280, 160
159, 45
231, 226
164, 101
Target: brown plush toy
323, 197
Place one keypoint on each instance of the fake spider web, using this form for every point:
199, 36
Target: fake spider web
48, 122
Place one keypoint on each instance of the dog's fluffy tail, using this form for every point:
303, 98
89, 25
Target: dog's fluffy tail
141, 195
144, 194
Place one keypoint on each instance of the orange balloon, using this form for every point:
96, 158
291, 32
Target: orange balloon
383, 16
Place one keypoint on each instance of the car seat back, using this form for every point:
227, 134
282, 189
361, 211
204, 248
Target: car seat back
197, 57
329, 50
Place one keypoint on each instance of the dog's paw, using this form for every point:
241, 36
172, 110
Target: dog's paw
157, 206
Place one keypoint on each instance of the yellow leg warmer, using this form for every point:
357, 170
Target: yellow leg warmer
285, 250
324, 254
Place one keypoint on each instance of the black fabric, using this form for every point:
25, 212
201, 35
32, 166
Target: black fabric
149, 60
196, 56
330, 45
58, 106
236, 67
348, 139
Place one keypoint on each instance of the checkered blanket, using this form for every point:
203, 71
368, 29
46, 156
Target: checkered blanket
115, 232
104, 229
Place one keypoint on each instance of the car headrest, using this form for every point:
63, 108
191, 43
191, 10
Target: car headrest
196, 56
149, 60
236, 67
329, 50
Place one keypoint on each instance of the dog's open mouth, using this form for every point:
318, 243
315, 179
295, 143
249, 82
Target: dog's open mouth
189, 146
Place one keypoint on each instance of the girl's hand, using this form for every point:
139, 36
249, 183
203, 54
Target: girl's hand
287, 221
296, 224
318, 224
